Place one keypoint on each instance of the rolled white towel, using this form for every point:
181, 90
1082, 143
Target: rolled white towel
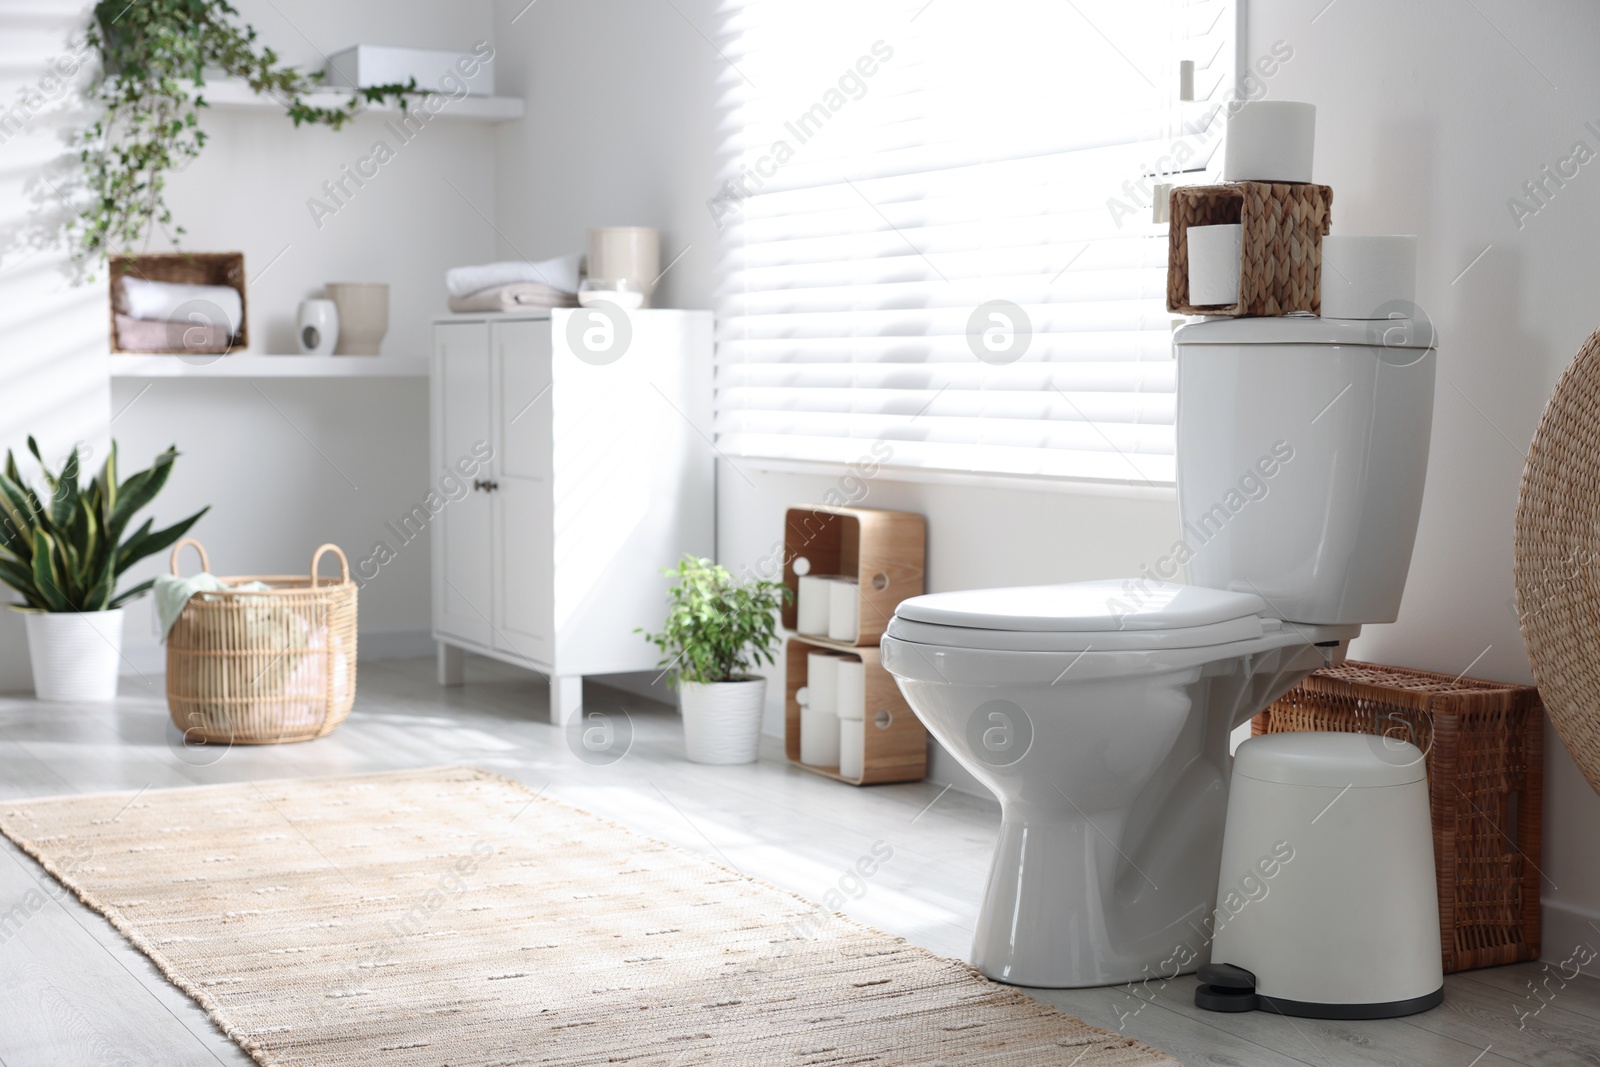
140, 298
558, 273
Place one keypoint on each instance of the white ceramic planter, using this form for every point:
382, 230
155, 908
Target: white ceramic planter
75, 654
722, 720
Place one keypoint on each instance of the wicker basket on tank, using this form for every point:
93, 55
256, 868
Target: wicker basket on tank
1280, 258
264, 667
1484, 744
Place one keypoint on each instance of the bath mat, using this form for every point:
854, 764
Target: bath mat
452, 917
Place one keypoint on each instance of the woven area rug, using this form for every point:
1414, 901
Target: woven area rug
453, 917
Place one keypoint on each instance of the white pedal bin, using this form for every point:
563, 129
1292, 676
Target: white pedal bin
1327, 905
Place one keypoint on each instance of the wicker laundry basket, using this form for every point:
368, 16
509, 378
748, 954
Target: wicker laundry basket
259, 668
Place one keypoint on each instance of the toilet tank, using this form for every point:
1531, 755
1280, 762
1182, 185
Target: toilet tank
1302, 450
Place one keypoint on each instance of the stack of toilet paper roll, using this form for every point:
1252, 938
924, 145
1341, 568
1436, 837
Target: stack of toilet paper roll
1268, 141
1362, 277
1369, 276
833, 713
829, 606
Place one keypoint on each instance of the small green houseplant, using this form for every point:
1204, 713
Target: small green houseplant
718, 630
63, 550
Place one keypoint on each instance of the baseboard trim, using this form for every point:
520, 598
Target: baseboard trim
1570, 936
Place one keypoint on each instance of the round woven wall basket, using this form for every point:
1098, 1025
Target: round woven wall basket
259, 667
1558, 558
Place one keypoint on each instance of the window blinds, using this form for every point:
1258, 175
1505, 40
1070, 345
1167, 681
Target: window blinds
935, 229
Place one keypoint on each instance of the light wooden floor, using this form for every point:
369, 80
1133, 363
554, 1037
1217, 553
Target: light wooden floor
73, 993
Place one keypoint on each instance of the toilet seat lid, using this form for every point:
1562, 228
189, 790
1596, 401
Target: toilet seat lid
1109, 606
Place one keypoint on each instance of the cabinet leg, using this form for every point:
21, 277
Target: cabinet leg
566, 697
452, 665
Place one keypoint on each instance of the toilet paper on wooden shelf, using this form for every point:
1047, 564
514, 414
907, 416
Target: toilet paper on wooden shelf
850, 700
812, 603
1368, 277
852, 748
1270, 141
822, 681
844, 610
1214, 263
819, 737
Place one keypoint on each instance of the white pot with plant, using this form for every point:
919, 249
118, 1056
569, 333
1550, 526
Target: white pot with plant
717, 632
63, 551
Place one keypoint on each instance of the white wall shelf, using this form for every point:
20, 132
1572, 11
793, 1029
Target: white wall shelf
235, 95
254, 366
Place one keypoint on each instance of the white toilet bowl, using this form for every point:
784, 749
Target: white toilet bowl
1108, 750
1099, 713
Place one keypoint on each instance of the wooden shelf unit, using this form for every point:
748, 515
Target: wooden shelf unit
895, 741
882, 550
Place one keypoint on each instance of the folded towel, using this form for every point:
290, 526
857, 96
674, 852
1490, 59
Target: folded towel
140, 335
558, 273
211, 305
172, 592
520, 296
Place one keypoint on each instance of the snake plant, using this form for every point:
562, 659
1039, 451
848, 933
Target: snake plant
65, 550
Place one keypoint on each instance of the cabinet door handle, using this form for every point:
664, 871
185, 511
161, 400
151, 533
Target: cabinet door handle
486, 486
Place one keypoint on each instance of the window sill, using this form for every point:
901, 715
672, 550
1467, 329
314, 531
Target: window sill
1164, 491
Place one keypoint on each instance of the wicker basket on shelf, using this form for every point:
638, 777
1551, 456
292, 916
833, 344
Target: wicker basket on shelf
1484, 747
183, 268
266, 666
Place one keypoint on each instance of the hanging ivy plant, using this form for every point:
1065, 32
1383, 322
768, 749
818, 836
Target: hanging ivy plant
155, 56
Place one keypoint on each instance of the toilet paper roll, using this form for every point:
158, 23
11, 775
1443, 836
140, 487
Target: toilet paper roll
852, 748
822, 681
811, 606
851, 700
1368, 277
1270, 141
1214, 264
819, 738
844, 610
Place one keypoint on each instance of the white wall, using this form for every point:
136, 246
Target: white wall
53, 381
1428, 121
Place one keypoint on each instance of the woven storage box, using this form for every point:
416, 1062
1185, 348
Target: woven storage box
1484, 743
1280, 263
259, 668
184, 268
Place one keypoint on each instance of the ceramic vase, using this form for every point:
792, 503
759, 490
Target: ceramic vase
363, 309
317, 327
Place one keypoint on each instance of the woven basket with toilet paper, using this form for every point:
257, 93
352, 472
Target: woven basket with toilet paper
1259, 244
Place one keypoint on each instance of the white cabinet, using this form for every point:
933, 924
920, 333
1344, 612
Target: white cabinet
578, 446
